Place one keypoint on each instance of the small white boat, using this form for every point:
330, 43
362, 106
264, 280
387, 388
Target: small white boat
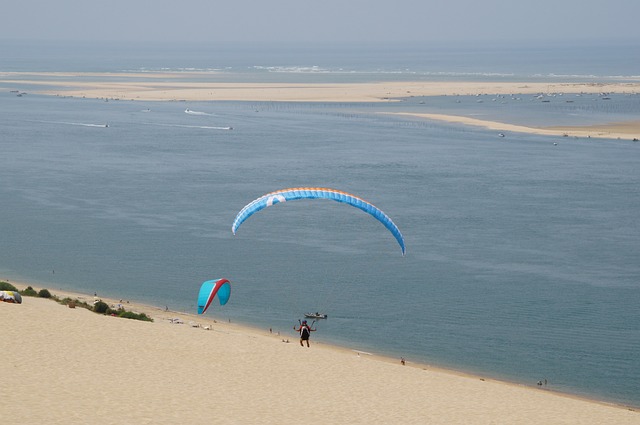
315, 315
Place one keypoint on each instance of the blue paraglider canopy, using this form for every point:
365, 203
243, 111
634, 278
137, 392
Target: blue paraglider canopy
209, 290
317, 193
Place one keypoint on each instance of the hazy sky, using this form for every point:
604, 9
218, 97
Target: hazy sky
332, 21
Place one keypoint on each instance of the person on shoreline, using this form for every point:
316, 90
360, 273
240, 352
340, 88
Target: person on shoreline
305, 332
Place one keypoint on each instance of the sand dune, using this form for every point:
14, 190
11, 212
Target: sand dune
73, 366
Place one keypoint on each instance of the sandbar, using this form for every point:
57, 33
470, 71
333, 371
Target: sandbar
73, 366
200, 86
629, 130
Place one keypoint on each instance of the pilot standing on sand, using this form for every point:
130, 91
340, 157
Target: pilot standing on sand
305, 332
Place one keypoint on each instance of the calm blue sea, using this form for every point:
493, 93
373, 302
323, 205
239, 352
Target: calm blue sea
523, 257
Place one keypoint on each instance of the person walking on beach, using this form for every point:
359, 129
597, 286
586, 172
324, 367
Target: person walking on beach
305, 332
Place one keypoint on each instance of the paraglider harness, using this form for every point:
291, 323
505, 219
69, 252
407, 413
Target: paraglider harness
305, 330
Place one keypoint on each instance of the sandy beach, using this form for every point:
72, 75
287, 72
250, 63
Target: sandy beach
172, 87
70, 365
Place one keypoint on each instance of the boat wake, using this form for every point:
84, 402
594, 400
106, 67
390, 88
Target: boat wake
205, 127
190, 112
81, 124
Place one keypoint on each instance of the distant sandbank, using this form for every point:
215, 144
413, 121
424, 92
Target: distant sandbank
629, 130
172, 87
65, 365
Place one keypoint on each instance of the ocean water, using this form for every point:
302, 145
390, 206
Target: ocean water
523, 260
